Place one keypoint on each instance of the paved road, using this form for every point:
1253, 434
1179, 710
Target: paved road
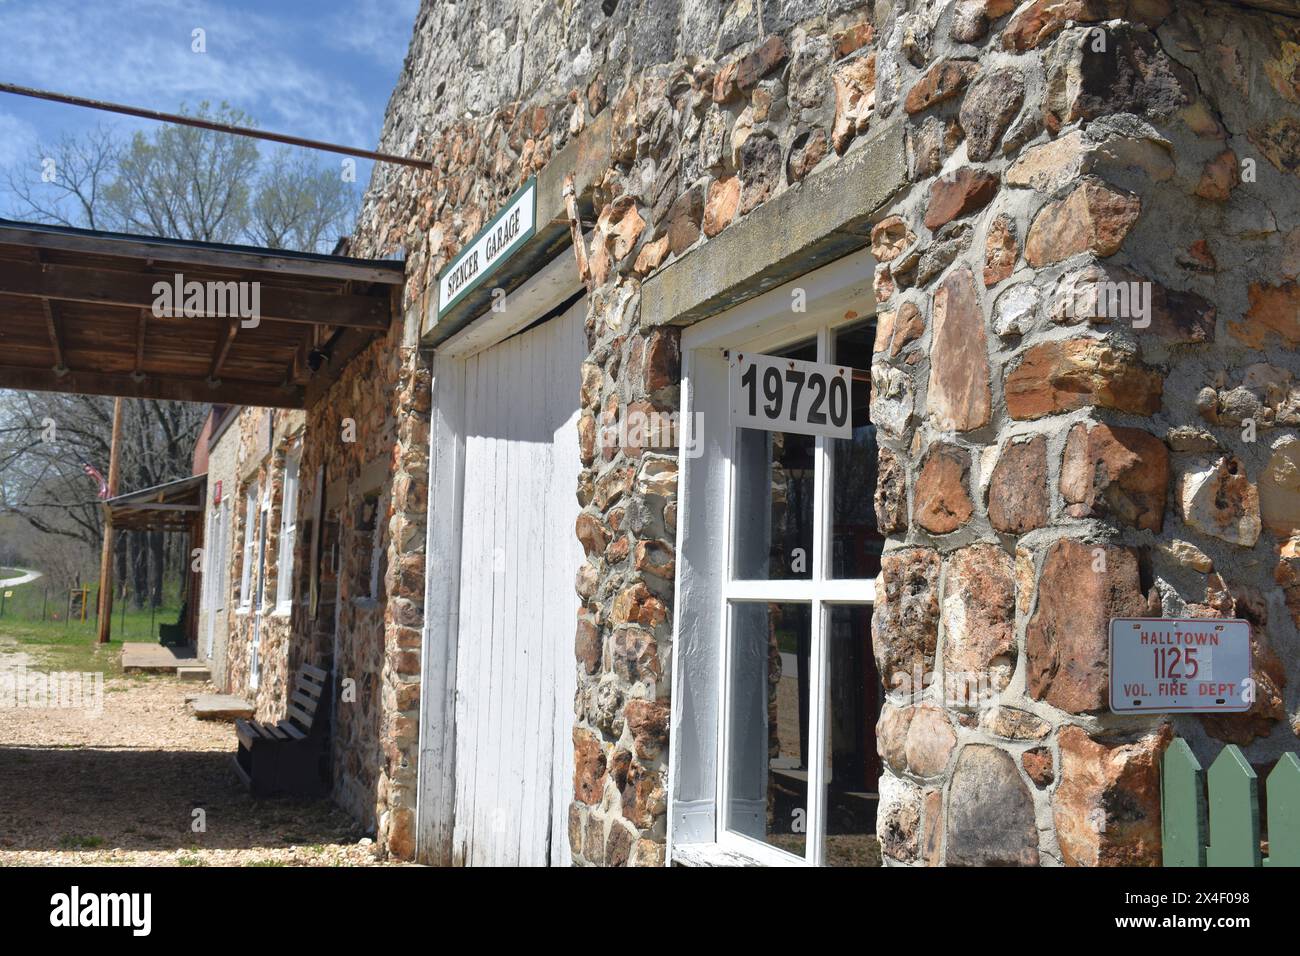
24, 578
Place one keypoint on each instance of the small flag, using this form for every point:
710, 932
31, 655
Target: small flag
93, 472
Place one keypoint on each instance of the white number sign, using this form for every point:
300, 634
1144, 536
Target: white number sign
1200, 665
777, 394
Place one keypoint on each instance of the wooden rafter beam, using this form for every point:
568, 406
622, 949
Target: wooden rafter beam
136, 291
141, 324
225, 339
56, 337
297, 373
226, 392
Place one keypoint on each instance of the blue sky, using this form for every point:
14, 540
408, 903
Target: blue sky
321, 69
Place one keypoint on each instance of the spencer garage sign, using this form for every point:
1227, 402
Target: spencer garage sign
494, 244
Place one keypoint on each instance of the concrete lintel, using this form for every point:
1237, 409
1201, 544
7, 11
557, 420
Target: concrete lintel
822, 219
585, 157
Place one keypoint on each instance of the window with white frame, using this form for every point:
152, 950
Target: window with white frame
780, 678
246, 580
288, 535
221, 570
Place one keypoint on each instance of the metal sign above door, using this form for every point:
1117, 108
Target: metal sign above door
778, 394
492, 246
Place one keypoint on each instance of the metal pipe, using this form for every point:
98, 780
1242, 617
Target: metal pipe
210, 125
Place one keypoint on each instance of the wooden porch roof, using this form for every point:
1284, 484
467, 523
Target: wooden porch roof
77, 314
173, 506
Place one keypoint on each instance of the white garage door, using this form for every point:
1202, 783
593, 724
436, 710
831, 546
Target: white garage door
515, 670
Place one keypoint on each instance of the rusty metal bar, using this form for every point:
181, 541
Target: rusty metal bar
210, 125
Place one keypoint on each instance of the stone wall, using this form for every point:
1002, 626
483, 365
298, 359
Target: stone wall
1054, 456
1046, 463
255, 465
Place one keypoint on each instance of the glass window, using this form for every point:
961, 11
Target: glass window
802, 695
221, 571
853, 699
774, 499
250, 541
767, 759
288, 536
856, 544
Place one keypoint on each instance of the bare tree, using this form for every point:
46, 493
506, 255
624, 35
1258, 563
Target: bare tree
174, 181
64, 183
300, 205
184, 182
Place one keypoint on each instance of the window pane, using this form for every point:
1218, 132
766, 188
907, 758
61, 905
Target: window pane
856, 543
767, 766
774, 499
852, 765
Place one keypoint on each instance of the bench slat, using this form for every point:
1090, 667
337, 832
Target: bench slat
301, 716
291, 730
313, 671
303, 701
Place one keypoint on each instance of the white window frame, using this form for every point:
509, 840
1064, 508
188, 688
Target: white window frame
287, 543
207, 564
251, 521
837, 295
221, 573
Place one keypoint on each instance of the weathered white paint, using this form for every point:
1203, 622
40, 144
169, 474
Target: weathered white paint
496, 768
436, 798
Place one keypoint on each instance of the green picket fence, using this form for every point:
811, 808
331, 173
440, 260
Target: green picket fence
1224, 830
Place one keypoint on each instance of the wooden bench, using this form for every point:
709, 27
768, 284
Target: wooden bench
173, 635
287, 757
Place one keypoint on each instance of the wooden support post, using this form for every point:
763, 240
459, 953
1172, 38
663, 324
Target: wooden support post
106, 556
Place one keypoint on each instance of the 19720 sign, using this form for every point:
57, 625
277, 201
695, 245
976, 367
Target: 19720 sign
777, 394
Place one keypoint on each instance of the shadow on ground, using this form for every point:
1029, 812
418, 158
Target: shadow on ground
55, 799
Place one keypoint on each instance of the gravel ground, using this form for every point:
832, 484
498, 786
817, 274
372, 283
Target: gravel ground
121, 786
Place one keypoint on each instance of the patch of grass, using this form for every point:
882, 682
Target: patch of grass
73, 842
265, 863
188, 861
72, 645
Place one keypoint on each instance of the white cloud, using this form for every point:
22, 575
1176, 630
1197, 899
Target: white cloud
139, 52
17, 138
373, 28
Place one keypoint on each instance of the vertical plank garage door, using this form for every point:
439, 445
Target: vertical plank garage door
515, 671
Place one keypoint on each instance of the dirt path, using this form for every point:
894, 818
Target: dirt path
121, 786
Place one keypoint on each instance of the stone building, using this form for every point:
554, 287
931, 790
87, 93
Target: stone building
1052, 249
218, 444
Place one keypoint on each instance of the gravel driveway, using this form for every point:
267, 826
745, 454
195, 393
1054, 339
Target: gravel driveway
122, 786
